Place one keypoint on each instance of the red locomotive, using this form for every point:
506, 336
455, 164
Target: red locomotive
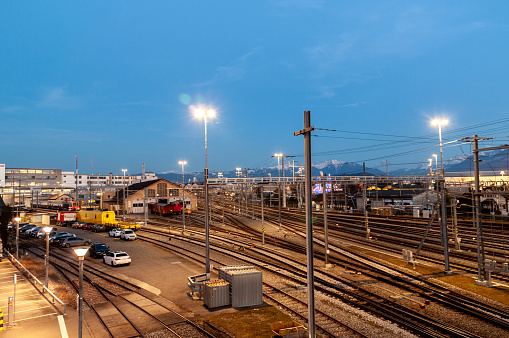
165, 209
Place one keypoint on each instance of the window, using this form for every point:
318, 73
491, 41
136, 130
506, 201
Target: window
174, 192
151, 193
161, 189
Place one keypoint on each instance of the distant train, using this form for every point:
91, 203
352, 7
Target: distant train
165, 209
58, 205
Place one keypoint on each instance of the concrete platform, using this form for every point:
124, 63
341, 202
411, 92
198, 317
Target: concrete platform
35, 315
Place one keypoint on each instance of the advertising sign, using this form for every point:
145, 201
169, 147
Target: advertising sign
2, 175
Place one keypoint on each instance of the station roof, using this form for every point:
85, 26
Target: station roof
139, 186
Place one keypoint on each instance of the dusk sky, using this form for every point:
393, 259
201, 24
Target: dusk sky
116, 81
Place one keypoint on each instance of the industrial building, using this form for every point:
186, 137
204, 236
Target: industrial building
144, 193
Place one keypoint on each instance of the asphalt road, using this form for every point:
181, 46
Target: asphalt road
162, 270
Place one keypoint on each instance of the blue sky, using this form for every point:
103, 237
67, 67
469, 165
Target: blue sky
114, 81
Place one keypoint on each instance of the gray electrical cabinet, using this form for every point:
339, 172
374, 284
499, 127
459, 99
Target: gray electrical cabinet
246, 285
216, 293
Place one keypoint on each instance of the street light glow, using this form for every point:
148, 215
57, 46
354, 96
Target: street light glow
201, 112
182, 162
81, 252
441, 122
47, 229
17, 219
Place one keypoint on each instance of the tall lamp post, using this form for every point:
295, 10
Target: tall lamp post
205, 113
17, 219
278, 169
80, 252
436, 159
445, 240
183, 163
123, 197
47, 230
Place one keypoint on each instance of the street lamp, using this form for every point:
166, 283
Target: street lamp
278, 157
443, 228
80, 252
123, 197
183, 163
436, 161
17, 219
440, 123
238, 171
204, 113
47, 230
430, 165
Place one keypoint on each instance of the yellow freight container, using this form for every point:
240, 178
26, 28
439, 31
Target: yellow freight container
97, 217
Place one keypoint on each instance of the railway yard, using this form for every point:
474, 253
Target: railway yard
365, 290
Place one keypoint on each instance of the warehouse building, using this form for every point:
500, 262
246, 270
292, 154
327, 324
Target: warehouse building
148, 192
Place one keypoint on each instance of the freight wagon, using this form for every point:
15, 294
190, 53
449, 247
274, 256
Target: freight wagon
104, 217
65, 216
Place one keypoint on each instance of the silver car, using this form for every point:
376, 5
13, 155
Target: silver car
115, 232
128, 235
75, 241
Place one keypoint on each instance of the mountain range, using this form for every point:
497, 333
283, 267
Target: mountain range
492, 163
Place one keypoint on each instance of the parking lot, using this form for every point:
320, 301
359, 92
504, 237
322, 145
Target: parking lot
154, 269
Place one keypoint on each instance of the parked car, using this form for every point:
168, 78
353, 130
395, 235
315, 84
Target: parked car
59, 239
59, 233
77, 225
117, 258
115, 232
41, 233
25, 227
98, 250
75, 241
98, 227
66, 223
127, 235
87, 226
32, 232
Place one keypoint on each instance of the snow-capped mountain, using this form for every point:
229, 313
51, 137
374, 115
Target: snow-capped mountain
491, 162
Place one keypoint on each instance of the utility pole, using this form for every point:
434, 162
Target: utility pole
309, 222
279, 203
325, 226
145, 204
457, 240
477, 200
365, 193
481, 270
76, 190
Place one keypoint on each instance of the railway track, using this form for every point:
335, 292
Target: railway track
373, 303
122, 308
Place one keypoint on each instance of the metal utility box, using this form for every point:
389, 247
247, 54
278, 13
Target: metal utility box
216, 293
245, 285
289, 329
